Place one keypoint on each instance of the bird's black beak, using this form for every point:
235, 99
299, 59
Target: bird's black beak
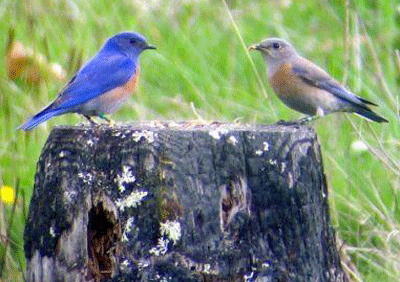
150, 47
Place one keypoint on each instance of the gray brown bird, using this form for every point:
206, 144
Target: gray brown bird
305, 87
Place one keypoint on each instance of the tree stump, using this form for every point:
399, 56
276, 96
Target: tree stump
181, 202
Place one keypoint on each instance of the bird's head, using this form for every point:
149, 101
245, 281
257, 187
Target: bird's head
274, 49
131, 43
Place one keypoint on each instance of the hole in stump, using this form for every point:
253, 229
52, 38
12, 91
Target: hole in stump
103, 235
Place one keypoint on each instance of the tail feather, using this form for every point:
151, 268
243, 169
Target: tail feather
369, 114
44, 115
366, 101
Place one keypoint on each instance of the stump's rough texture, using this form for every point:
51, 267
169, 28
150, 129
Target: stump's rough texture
174, 202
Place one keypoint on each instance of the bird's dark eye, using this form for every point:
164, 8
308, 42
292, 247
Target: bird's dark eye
132, 41
276, 45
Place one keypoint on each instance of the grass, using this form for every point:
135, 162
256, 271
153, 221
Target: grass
201, 60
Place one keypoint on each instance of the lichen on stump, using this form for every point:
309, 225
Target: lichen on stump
181, 202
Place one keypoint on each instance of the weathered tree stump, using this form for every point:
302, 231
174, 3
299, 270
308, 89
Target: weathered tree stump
180, 202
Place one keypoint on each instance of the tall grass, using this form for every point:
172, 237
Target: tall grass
201, 59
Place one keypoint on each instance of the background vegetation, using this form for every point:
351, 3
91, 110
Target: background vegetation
201, 59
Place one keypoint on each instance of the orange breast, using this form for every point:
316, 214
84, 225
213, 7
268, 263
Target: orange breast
113, 99
122, 92
132, 83
283, 81
293, 91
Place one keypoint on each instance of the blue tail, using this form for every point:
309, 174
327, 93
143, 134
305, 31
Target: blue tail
44, 115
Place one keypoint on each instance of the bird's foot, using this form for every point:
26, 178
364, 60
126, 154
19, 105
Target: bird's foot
110, 121
93, 123
301, 121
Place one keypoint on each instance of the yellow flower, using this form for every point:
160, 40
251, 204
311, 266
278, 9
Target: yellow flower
7, 194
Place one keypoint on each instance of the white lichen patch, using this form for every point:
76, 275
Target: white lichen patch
218, 133
249, 277
126, 177
86, 177
272, 162
90, 142
147, 135
207, 268
127, 229
266, 146
161, 248
143, 264
132, 201
124, 265
264, 149
232, 140
283, 167
171, 229
52, 231
265, 265
290, 180
124, 238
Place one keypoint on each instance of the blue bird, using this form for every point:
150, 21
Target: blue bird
103, 84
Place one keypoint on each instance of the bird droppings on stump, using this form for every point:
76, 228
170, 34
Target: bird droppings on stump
181, 202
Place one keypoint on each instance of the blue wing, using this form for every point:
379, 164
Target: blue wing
102, 74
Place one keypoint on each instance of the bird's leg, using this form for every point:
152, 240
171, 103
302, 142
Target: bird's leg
90, 120
110, 121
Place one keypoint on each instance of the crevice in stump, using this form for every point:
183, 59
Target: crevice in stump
235, 199
103, 235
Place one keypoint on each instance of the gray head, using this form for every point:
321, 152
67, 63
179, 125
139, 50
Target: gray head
274, 50
130, 43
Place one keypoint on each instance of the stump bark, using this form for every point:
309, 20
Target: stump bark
181, 202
